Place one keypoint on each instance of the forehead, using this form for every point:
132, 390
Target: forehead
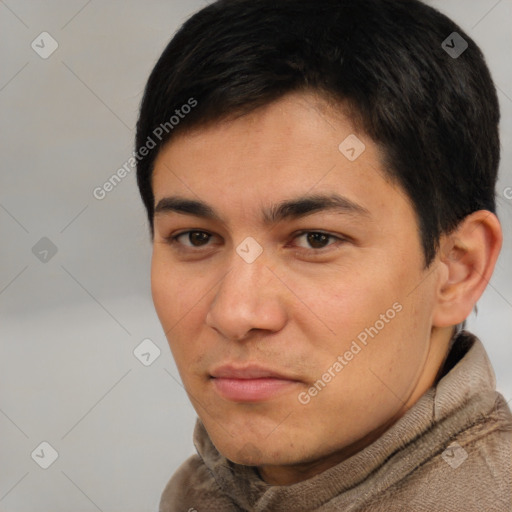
292, 147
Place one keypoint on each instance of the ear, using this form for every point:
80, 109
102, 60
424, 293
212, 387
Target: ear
467, 257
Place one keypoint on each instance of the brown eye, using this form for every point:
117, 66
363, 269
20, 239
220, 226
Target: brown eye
195, 238
316, 239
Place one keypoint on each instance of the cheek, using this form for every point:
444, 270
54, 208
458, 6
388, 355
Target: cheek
371, 304
171, 291
161, 288
354, 298
179, 298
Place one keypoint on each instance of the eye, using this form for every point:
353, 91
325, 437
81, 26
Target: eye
317, 240
196, 238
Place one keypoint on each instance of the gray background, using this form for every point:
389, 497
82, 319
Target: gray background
69, 325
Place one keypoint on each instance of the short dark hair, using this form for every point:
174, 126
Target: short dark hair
434, 115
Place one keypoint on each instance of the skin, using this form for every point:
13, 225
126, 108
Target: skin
300, 305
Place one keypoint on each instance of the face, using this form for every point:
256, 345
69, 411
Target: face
289, 278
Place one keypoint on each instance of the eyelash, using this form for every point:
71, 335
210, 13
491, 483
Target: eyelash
173, 240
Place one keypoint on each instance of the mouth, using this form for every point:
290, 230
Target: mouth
250, 383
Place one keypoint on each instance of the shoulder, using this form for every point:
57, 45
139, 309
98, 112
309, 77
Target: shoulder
475, 469
472, 470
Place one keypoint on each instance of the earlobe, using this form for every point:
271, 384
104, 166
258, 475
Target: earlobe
467, 257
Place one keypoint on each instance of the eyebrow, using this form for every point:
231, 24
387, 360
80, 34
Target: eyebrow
286, 210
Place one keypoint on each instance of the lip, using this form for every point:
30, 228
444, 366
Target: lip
251, 383
252, 371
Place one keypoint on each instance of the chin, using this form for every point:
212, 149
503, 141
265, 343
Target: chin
253, 452
248, 455
254, 440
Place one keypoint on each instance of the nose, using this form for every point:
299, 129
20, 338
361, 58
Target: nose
248, 298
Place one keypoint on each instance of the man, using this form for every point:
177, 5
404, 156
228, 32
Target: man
319, 181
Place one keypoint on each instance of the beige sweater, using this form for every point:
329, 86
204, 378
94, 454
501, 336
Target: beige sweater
410, 468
